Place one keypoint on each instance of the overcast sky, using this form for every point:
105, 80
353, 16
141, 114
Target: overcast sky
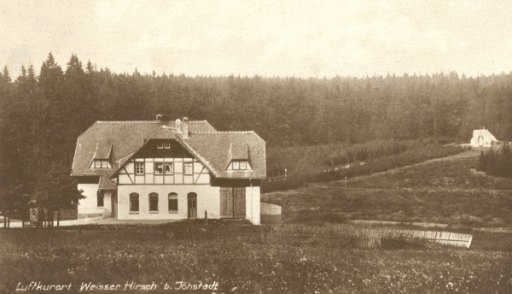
269, 38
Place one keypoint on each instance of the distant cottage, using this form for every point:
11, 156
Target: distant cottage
482, 138
168, 170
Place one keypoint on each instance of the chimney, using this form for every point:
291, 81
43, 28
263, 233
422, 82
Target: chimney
177, 124
159, 118
184, 128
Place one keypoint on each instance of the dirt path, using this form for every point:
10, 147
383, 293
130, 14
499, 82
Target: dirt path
452, 190
455, 157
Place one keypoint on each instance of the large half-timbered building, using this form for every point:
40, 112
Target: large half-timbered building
164, 170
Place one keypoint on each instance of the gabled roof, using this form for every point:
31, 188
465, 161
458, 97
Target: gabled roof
217, 148
123, 139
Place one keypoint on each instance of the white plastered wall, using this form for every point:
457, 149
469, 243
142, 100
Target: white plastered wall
252, 204
208, 199
88, 206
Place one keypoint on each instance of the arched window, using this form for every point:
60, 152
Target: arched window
134, 202
153, 202
173, 202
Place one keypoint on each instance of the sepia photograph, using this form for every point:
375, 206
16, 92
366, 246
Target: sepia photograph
255, 146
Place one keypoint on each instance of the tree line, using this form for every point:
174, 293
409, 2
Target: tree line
497, 162
42, 114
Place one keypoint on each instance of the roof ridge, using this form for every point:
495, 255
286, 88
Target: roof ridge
126, 121
224, 132
142, 121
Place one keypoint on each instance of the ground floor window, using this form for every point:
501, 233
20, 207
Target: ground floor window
173, 202
99, 198
134, 202
153, 202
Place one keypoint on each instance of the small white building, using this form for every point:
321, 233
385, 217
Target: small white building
168, 170
482, 138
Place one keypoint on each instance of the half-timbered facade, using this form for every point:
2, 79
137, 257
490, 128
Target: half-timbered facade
145, 170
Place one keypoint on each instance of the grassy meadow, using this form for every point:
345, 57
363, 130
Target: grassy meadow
244, 259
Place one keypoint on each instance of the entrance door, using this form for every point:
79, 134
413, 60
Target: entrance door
226, 202
239, 202
232, 202
192, 205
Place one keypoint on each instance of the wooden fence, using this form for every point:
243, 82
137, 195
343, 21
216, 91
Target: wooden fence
441, 237
367, 237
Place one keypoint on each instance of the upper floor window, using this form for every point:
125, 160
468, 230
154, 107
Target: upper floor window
164, 168
188, 168
134, 202
163, 145
153, 202
240, 165
139, 168
101, 163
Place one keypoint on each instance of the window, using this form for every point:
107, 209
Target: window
164, 168
153, 202
134, 203
173, 202
163, 145
99, 198
101, 163
139, 168
188, 168
240, 165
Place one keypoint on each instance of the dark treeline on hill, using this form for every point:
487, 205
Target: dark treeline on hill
497, 162
42, 115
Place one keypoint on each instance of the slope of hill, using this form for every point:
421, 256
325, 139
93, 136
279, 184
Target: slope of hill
444, 190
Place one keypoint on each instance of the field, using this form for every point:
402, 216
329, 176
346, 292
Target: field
244, 261
440, 191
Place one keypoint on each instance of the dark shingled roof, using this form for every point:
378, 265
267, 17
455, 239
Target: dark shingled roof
217, 148
121, 139
102, 151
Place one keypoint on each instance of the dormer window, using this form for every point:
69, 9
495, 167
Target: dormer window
239, 165
101, 163
163, 145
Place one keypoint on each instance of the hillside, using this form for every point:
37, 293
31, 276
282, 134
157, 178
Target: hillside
43, 112
444, 190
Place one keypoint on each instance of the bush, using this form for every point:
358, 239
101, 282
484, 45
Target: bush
497, 163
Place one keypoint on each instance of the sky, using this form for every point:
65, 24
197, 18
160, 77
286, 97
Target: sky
266, 38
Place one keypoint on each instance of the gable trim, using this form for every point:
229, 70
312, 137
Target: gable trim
184, 145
